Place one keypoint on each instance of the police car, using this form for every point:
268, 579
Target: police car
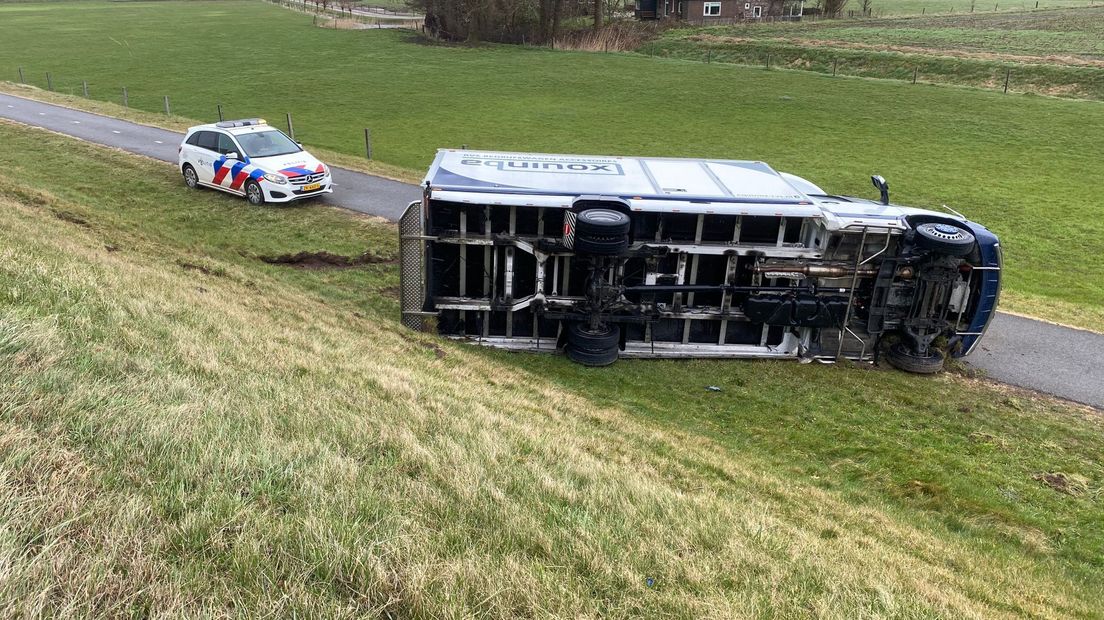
252, 159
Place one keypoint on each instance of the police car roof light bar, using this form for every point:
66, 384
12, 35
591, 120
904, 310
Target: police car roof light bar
245, 122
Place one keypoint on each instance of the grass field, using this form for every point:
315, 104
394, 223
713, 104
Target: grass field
1055, 36
1059, 53
1022, 165
188, 430
917, 7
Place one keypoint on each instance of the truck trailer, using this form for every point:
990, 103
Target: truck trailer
608, 257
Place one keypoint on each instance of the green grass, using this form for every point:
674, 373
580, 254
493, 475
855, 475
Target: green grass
1044, 52
927, 67
1044, 34
187, 430
1021, 165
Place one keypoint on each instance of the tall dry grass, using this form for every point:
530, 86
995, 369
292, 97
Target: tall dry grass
615, 37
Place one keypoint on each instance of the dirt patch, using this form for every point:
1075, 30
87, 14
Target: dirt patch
325, 260
207, 271
65, 216
1063, 483
391, 291
436, 348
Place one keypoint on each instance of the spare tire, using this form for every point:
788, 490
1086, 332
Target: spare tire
604, 232
944, 238
901, 356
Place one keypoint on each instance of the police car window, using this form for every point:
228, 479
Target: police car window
225, 144
208, 140
267, 144
194, 138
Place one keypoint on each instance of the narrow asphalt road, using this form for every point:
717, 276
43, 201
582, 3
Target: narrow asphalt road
1025, 352
353, 190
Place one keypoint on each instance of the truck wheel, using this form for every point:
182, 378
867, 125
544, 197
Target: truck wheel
592, 348
253, 193
603, 232
944, 238
592, 358
579, 335
191, 179
901, 356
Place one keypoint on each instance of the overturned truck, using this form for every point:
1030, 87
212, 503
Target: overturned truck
608, 257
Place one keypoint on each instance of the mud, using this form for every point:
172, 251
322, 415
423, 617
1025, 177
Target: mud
325, 260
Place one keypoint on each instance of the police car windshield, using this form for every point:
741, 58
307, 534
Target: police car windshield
267, 144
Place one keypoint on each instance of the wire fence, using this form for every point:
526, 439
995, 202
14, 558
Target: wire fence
347, 17
1085, 81
155, 102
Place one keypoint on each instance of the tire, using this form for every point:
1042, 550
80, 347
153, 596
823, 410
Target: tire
253, 193
902, 357
944, 238
602, 232
580, 337
191, 179
592, 358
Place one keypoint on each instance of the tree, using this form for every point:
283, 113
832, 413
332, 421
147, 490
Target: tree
833, 8
866, 6
504, 21
597, 15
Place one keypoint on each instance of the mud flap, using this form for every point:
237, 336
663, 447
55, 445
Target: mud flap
412, 267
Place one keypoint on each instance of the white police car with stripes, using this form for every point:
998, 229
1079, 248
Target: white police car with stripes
253, 159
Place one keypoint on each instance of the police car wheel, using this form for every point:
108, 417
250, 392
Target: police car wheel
191, 179
253, 193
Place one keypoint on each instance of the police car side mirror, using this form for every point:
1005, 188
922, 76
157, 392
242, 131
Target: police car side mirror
232, 155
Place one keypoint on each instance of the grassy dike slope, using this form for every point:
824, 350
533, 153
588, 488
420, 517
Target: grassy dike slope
187, 429
1021, 165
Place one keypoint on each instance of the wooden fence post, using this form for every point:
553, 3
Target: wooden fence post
220, 111
167, 111
84, 85
49, 81
291, 128
1007, 75
21, 80
368, 142
834, 61
126, 100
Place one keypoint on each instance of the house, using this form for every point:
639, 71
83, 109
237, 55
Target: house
719, 11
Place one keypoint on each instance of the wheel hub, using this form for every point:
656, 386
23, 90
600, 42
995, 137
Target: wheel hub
945, 231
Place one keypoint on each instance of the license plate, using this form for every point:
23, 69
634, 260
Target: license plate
312, 187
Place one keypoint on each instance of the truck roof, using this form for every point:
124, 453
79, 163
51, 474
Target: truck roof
639, 178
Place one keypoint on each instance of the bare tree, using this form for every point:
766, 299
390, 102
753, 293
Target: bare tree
833, 8
866, 7
610, 8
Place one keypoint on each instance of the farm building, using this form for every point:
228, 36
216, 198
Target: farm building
718, 11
